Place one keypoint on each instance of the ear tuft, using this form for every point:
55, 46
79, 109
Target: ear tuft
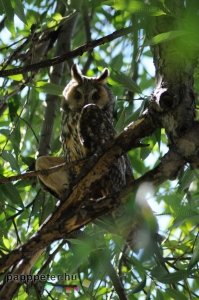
103, 77
76, 73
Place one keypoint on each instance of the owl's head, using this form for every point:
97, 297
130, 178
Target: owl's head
83, 90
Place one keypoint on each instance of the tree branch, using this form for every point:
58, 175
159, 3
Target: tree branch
74, 211
68, 55
31, 174
141, 128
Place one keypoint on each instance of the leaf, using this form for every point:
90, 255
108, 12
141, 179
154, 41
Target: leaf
102, 291
175, 294
19, 10
13, 105
186, 179
11, 194
49, 88
138, 7
1, 8
140, 286
7, 156
10, 26
17, 77
6, 242
8, 9
117, 61
29, 161
126, 81
166, 36
195, 257
145, 152
159, 295
16, 139
157, 134
164, 277
121, 121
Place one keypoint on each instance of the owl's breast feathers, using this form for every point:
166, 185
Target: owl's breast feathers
85, 133
72, 146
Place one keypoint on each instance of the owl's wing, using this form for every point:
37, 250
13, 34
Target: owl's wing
95, 129
57, 181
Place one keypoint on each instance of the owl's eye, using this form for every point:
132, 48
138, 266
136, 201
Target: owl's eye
77, 95
95, 96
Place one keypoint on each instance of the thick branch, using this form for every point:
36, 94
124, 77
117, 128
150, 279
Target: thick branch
74, 212
75, 217
121, 144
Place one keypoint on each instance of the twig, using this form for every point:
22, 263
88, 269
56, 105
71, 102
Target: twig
51, 257
117, 283
69, 55
47, 171
31, 174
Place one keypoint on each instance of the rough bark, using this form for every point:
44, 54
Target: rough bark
172, 102
72, 214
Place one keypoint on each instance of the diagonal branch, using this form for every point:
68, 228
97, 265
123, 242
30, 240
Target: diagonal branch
68, 55
126, 140
74, 218
74, 211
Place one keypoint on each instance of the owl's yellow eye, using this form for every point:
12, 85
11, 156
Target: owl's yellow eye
95, 96
77, 95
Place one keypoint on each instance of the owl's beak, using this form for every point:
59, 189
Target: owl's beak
86, 101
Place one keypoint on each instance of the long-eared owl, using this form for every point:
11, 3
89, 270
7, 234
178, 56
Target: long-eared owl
86, 127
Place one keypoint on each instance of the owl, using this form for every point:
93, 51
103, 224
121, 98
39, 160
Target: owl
86, 127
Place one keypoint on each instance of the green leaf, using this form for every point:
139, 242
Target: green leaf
29, 161
140, 286
186, 179
102, 291
145, 152
19, 10
157, 134
6, 242
10, 193
8, 9
159, 295
49, 88
17, 77
1, 8
165, 277
175, 294
125, 81
121, 121
166, 36
15, 139
9, 157
10, 26
13, 104
195, 257
138, 7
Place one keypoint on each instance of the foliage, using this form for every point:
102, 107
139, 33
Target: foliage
24, 205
